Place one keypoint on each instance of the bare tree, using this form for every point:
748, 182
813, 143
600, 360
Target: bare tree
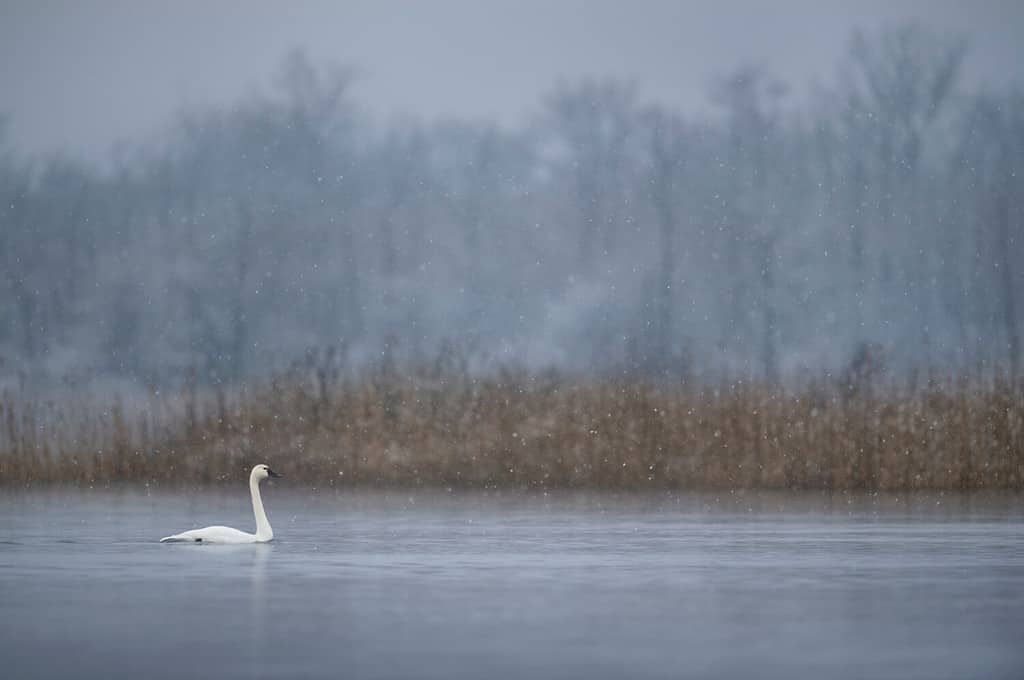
750, 99
595, 122
668, 141
897, 86
993, 148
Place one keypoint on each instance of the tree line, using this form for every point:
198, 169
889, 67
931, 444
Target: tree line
875, 223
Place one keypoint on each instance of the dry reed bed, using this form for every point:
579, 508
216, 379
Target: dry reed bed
518, 429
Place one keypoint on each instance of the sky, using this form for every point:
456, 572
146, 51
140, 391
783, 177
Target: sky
77, 77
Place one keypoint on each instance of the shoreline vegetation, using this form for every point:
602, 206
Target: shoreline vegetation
515, 428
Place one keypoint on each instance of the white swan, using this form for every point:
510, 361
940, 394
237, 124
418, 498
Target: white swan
220, 534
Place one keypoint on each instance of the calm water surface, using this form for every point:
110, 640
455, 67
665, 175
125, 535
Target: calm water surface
508, 585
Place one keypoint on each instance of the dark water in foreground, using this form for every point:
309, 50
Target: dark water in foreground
470, 585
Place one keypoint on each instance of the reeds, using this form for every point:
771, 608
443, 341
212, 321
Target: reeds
516, 428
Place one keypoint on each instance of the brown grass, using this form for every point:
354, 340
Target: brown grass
520, 429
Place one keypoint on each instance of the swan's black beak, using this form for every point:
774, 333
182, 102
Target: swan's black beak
273, 474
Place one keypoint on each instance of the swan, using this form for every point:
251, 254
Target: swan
219, 534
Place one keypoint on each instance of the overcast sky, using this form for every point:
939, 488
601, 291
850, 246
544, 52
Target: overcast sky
77, 76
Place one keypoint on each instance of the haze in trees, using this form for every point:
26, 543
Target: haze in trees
769, 239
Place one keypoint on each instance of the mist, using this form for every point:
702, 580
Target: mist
583, 339
763, 229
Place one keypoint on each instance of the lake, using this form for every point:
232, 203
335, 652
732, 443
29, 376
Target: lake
435, 584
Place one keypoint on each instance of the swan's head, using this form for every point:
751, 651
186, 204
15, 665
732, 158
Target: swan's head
261, 472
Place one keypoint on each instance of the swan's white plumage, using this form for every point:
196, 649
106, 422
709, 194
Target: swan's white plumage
221, 534
215, 534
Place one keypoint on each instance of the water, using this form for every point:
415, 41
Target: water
509, 585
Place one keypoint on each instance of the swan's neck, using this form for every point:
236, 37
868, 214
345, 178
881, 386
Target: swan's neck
263, 530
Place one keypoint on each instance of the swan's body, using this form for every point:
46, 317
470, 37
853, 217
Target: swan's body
215, 534
219, 534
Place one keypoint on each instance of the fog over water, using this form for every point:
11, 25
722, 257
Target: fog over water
755, 191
